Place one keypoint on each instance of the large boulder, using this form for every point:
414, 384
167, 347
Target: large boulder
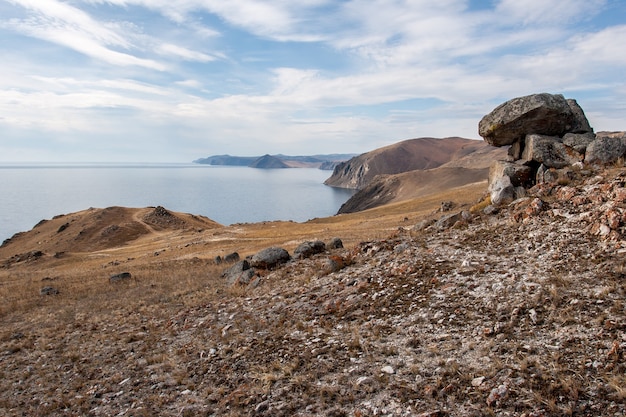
544, 114
269, 258
549, 151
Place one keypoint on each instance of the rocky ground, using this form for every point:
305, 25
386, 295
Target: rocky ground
517, 313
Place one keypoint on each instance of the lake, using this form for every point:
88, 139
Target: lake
32, 192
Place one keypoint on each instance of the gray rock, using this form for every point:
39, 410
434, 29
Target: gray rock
553, 175
446, 206
269, 258
335, 243
308, 249
550, 151
515, 151
490, 209
520, 175
544, 114
605, 150
241, 272
231, 257
122, 276
448, 221
502, 191
423, 225
578, 141
48, 291
581, 124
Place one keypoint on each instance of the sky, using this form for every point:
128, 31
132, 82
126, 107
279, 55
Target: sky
177, 80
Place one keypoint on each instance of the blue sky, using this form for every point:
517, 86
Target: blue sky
176, 80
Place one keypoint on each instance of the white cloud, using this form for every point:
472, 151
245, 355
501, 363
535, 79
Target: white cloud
534, 12
60, 23
321, 75
184, 53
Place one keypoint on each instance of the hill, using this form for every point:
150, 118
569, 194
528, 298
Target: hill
408, 155
413, 169
268, 162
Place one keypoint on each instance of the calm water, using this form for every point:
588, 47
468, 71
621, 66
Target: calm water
30, 193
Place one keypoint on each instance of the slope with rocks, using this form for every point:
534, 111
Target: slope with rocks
520, 312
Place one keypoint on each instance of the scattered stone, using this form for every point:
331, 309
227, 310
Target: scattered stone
497, 394
122, 276
478, 381
388, 370
490, 210
262, 406
308, 249
448, 221
334, 263
270, 258
422, 225
218, 260
364, 380
231, 257
48, 291
240, 273
446, 206
63, 227
335, 243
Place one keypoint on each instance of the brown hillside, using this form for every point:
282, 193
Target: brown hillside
469, 165
386, 189
97, 229
408, 155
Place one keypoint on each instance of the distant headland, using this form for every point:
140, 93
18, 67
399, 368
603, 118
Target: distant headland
325, 162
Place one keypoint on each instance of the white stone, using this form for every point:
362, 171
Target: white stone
388, 370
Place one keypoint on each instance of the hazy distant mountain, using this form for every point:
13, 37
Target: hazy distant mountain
227, 160
326, 162
269, 162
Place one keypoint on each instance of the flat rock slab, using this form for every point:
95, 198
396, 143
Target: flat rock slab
544, 114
